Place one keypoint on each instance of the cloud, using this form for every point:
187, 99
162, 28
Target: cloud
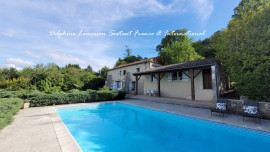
17, 63
11, 66
30, 22
64, 58
32, 54
203, 8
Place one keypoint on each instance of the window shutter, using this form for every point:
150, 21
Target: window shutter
169, 76
120, 84
184, 76
150, 78
114, 85
130, 86
154, 78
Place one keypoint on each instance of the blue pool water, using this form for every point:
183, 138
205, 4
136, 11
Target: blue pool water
118, 127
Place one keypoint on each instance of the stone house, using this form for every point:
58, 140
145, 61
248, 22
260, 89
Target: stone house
122, 78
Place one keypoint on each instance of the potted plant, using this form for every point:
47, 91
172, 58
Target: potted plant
26, 104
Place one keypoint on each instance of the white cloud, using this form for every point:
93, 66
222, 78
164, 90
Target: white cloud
32, 21
17, 63
203, 8
11, 66
64, 58
32, 54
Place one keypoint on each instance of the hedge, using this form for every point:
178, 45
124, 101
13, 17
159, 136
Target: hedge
74, 96
38, 98
9, 107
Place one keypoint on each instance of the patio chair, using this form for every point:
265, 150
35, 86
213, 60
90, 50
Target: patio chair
221, 106
250, 109
148, 92
154, 92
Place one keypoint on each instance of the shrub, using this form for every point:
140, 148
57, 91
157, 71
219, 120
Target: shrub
9, 107
73, 96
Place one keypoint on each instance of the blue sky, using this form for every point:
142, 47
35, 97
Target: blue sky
25, 27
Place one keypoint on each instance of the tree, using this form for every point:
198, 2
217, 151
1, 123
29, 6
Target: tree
180, 51
104, 72
120, 62
204, 48
73, 65
244, 49
128, 51
130, 59
247, 7
89, 69
170, 38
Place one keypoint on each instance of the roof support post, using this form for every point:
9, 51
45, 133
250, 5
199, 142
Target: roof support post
191, 71
137, 81
136, 85
159, 84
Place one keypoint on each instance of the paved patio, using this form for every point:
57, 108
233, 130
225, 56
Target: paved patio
41, 129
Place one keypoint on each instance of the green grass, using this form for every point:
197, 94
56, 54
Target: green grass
8, 108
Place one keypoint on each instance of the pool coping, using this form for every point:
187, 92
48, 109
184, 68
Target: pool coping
250, 129
204, 119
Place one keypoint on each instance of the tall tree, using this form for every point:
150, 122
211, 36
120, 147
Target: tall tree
244, 49
204, 48
89, 69
128, 51
170, 38
178, 49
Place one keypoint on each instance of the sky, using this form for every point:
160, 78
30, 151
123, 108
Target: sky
95, 32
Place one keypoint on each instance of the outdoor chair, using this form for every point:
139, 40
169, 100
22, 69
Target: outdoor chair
148, 92
251, 109
154, 92
221, 106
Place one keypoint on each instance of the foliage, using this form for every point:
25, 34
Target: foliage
244, 49
73, 96
181, 51
120, 62
94, 83
204, 48
169, 39
127, 50
128, 58
9, 107
51, 78
103, 72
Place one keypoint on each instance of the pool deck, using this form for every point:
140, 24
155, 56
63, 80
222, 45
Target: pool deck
41, 129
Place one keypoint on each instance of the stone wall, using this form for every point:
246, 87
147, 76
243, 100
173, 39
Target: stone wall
236, 107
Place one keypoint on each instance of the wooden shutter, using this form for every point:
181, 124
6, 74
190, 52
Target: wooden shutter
150, 78
114, 85
169, 77
207, 79
120, 86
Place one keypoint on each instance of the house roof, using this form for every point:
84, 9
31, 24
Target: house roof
180, 66
154, 60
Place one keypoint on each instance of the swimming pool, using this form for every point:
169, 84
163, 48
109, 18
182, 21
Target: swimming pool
119, 127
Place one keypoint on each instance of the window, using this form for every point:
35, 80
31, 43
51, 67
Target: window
177, 75
207, 79
121, 73
119, 85
138, 70
124, 72
133, 85
152, 78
